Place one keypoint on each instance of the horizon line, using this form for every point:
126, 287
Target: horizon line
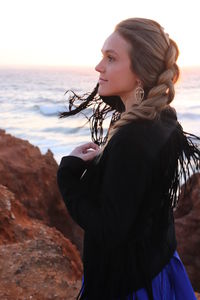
37, 66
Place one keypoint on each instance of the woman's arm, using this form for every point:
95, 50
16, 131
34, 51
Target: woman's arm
124, 183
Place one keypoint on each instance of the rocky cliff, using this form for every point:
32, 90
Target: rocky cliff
41, 246
187, 220
31, 177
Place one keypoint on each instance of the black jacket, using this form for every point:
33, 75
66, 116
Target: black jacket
124, 205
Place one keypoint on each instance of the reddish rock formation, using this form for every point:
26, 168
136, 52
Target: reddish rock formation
187, 220
198, 296
36, 261
31, 176
15, 226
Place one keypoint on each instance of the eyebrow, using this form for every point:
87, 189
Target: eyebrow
109, 50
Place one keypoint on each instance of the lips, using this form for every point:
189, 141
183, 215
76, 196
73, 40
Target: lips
101, 80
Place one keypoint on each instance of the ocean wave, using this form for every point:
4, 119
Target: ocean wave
49, 110
190, 116
44, 100
67, 130
54, 110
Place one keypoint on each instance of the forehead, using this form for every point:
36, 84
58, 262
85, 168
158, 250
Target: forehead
117, 44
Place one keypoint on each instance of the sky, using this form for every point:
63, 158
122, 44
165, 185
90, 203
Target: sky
72, 32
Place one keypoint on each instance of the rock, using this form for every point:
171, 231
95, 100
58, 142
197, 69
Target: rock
15, 226
36, 261
31, 177
187, 221
42, 268
198, 296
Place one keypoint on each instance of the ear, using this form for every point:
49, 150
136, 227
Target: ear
139, 82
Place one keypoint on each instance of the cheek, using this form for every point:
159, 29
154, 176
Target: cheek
120, 79
130, 81
124, 79
123, 71
116, 74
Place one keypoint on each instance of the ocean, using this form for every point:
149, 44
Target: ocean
32, 98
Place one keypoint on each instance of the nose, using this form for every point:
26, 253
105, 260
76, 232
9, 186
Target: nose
100, 67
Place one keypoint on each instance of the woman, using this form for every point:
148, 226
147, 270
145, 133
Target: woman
123, 193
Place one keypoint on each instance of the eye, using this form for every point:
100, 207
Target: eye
110, 58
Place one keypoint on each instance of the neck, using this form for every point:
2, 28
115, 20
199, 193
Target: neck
128, 102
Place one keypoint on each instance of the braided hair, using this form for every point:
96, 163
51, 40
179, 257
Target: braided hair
153, 55
153, 58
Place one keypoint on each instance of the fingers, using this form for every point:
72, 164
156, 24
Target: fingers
89, 155
86, 151
89, 151
89, 145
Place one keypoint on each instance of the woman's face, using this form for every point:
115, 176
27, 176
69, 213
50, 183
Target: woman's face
115, 74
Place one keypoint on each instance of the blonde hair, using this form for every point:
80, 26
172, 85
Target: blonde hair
153, 58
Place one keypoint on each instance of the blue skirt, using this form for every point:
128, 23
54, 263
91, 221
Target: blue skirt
172, 283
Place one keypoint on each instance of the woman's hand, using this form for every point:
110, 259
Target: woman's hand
86, 151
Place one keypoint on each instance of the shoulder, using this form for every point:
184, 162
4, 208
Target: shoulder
147, 137
128, 143
131, 132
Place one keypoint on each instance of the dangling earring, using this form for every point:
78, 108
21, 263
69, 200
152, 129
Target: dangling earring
139, 94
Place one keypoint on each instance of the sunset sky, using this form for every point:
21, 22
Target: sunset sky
71, 33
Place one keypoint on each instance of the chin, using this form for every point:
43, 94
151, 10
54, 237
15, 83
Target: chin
105, 93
